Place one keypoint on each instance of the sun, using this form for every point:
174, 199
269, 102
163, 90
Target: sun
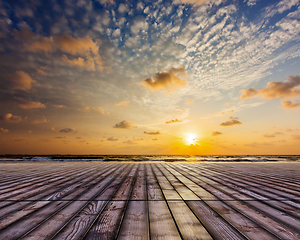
190, 138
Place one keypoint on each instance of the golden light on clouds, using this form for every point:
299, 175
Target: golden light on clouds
123, 103
168, 80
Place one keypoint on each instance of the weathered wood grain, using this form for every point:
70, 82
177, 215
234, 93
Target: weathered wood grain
149, 200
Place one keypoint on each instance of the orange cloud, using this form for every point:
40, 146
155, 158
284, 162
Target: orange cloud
112, 139
268, 135
88, 62
38, 121
67, 130
189, 101
199, 2
11, 118
125, 125
4, 130
166, 80
275, 89
30, 105
124, 103
231, 122
290, 105
216, 133
296, 136
40, 71
94, 109
22, 81
58, 106
173, 121
223, 113
86, 47
152, 133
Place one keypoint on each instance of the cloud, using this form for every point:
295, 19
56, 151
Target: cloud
199, 2
268, 135
189, 101
231, 122
63, 42
112, 139
216, 133
290, 105
258, 145
152, 133
11, 118
31, 105
38, 121
40, 71
61, 137
223, 113
86, 47
4, 130
173, 121
58, 106
296, 136
130, 142
166, 80
22, 81
87, 62
124, 103
67, 130
125, 125
275, 89
94, 109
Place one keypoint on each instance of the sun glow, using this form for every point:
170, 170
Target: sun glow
190, 138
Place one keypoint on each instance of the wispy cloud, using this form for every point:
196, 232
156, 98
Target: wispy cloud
275, 89
123, 103
22, 81
174, 121
31, 105
58, 106
296, 136
112, 139
166, 80
216, 133
272, 135
290, 105
152, 133
67, 130
3, 130
124, 125
189, 101
41, 120
93, 109
11, 118
231, 122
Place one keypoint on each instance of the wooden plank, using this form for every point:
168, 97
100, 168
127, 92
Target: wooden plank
78, 225
162, 225
41, 214
153, 189
236, 219
135, 223
139, 188
259, 217
51, 192
217, 227
108, 223
190, 227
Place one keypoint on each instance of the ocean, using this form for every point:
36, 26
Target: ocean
164, 158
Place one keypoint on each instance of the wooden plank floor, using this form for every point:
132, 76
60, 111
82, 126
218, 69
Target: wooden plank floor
149, 200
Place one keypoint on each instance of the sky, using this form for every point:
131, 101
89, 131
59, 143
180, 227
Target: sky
150, 77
